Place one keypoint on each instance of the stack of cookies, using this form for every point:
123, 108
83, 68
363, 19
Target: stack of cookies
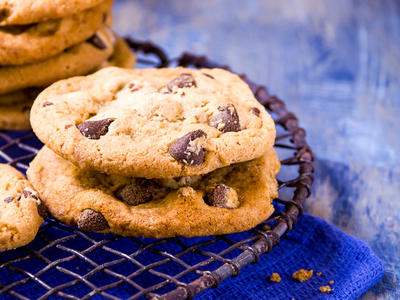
43, 41
155, 153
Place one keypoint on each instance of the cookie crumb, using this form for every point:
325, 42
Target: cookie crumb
331, 282
319, 273
275, 277
302, 275
325, 289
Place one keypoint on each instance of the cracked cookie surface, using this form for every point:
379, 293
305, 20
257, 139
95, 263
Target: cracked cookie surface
230, 199
20, 209
153, 123
23, 44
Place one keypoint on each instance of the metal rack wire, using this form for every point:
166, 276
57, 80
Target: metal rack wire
114, 267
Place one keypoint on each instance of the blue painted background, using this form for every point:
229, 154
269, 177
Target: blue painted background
337, 66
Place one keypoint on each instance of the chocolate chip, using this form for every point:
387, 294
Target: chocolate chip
18, 198
47, 103
42, 210
208, 75
91, 220
255, 111
29, 194
68, 126
4, 13
188, 149
226, 120
26, 193
133, 87
8, 199
137, 192
185, 80
94, 129
223, 196
96, 41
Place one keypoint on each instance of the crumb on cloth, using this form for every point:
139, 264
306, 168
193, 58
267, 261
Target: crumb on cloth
303, 275
275, 277
325, 289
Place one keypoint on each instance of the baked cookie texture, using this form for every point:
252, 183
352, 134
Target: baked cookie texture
20, 209
15, 106
230, 199
15, 116
76, 60
153, 123
32, 11
23, 44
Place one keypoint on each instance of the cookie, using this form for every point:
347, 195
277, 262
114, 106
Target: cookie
21, 210
15, 106
77, 60
15, 109
230, 199
15, 116
23, 44
153, 123
122, 56
33, 11
20, 96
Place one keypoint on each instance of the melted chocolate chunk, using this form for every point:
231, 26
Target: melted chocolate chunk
185, 80
26, 193
47, 103
223, 196
96, 41
42, 210
94, 129
4, 13
188, 149
255, 111
138, 192
91, 220
9, 199
226, 120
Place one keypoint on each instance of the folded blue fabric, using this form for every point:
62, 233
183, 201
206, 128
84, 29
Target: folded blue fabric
312, 245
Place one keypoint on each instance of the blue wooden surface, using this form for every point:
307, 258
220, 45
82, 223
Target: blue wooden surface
337, 65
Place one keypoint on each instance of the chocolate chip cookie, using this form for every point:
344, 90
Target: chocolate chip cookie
21, 210
153, 123
77, 60
23, 44
230, 199
33, 11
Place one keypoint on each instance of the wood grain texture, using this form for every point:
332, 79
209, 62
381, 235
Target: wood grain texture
337, 65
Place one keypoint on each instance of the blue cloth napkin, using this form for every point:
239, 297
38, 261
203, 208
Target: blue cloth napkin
312, 245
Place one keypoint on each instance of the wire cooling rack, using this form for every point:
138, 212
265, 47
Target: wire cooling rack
64, 262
